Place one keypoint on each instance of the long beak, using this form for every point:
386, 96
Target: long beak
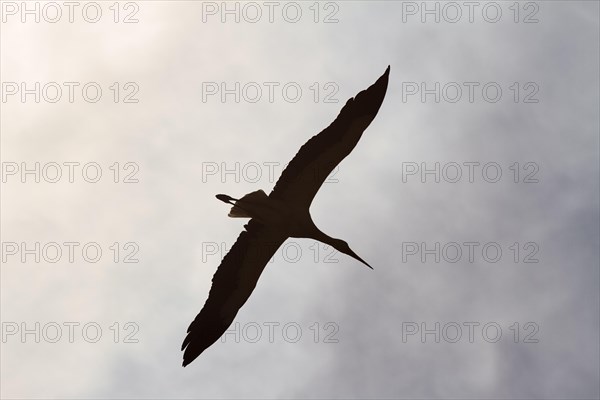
353, 254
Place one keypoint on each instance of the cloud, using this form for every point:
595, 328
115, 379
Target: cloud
177, 137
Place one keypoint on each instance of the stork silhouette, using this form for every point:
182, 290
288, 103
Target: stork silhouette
283, 213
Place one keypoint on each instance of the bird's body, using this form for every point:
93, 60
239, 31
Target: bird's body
283, 213
290, 221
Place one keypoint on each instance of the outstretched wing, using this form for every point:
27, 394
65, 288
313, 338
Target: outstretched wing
313, 163
232, 284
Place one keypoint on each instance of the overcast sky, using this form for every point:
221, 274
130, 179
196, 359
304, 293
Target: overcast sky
474, 194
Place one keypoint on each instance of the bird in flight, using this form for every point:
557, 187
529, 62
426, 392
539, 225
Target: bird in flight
283, 213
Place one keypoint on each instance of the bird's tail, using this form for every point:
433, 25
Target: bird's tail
238, 210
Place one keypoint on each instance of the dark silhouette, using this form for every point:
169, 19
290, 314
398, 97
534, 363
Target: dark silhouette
282, 214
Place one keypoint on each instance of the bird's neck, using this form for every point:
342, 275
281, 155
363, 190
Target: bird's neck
322, 237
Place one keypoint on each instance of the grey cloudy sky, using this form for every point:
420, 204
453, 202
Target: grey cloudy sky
516, 116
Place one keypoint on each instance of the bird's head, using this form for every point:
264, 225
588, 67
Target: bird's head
343, 247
